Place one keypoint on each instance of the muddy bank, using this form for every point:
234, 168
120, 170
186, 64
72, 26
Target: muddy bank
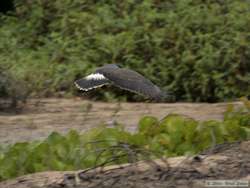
41, 117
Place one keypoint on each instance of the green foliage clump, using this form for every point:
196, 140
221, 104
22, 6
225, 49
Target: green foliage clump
12, 91
172, 136
198, 50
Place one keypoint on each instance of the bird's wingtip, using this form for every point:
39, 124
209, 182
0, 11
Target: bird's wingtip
165, 97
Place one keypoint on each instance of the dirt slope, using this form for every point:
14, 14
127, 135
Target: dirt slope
224, 162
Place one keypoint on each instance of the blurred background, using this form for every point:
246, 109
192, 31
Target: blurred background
197, 50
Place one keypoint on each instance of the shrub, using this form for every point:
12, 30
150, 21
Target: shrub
12, 91
198, 50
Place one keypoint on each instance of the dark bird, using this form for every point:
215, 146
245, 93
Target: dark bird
123, 78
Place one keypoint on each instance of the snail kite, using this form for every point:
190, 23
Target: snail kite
123, 78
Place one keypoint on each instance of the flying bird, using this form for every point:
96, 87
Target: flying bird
111, 74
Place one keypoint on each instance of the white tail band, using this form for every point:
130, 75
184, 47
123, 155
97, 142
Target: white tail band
95, 76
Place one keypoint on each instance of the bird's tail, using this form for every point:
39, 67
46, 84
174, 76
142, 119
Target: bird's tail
90, 82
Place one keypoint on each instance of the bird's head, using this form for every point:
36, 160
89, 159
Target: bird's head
111, 66
107, 68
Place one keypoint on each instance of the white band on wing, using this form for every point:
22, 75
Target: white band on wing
95, 76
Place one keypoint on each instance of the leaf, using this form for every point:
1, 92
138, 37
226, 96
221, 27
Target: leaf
148, 125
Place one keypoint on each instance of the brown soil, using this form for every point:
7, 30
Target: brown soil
224, 162
41, 117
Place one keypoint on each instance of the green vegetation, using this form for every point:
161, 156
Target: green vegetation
172, 136
198, 50
11, 88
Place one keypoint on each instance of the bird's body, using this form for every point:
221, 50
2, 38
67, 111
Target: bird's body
123, 78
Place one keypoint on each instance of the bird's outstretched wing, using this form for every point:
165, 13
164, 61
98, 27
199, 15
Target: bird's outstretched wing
132, 81
91, 81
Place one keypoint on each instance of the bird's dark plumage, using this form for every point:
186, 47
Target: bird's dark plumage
123, 78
